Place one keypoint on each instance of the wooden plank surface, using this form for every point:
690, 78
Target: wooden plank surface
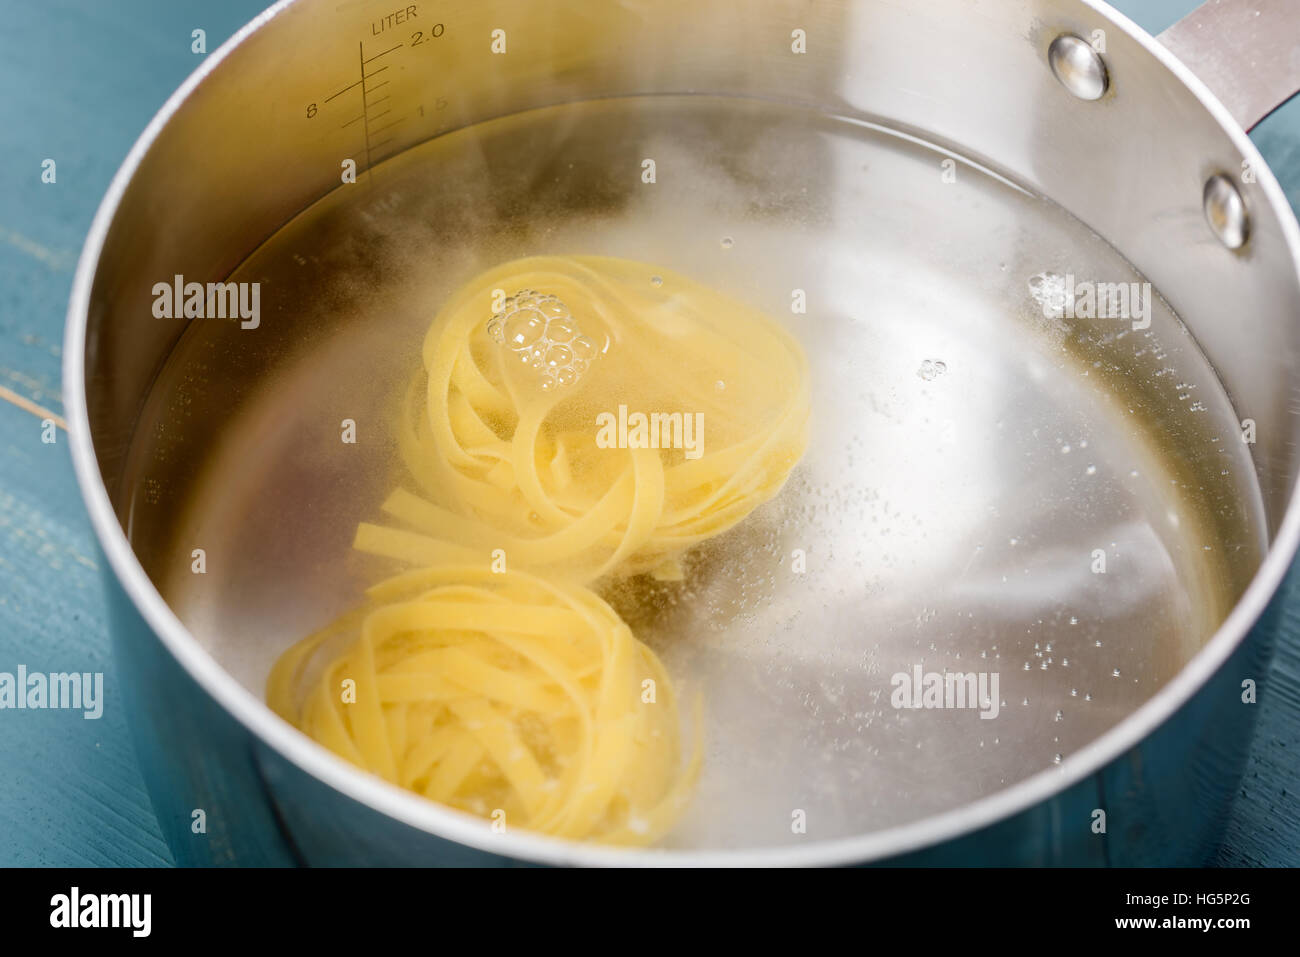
80, 79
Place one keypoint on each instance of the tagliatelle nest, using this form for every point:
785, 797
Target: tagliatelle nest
591, 416
513, 698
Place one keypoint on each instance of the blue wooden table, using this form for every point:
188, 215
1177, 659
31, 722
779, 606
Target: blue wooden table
80, 79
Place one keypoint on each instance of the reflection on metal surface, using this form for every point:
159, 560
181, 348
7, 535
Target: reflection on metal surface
1225, 211
1079, 67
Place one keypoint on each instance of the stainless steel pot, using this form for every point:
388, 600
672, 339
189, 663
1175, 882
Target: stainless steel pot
1060, 98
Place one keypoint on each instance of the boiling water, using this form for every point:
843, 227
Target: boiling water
1063, 503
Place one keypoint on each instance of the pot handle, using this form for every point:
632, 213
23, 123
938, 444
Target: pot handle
1246, 51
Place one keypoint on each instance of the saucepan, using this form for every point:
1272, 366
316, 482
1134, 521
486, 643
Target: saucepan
1013, 602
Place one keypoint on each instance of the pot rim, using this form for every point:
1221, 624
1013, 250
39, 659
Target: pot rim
418, 812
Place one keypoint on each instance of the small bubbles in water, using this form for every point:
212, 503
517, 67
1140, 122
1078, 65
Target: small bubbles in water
727, 242
656, 280
559, 331
1087, 696
1114, 673
1060, 715
1074, 692
1133, 473
1048, 289
558, 356
1097, 643
539, 328
524, 328
1073, 620
1065, 450
1024, 703
720, 386
1090, 470
1057, 759
931, 368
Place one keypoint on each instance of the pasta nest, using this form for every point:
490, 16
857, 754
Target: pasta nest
591, 416
518, 699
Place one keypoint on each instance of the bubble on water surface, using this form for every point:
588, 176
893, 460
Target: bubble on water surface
541, 330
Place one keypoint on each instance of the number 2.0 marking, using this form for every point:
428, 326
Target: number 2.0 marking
419, 36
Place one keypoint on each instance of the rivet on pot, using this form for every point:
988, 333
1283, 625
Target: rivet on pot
1078, 66
1225, 211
